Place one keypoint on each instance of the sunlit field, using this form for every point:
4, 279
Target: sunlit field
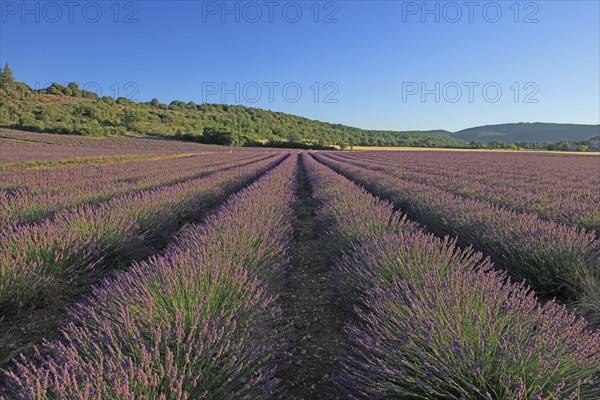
192, 270
299, 200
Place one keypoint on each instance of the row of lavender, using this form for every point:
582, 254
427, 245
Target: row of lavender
434, 321
561, 189
51, 262
558, 173
30, 196
556, 260
200, 322
60, 178
21, 146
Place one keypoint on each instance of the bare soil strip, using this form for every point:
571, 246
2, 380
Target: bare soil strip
311, 305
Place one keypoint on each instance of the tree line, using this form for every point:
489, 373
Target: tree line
72, 110
563, 145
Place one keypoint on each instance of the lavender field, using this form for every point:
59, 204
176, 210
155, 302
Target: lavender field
141, 268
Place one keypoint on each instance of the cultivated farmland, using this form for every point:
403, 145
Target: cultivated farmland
142, 268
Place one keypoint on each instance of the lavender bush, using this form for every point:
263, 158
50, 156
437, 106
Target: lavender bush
67, 253
435, 321
29, 196
556, 260
380, 260
557, 188
464, 334
197, 323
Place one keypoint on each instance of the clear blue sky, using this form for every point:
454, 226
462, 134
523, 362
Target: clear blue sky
370, 60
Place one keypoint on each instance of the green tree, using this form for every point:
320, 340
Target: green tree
86, 110
177, 105
8, 74
108, 100
7, 78
295, 137
130, 118
125, 101
563, 145
155, 103
74, 87
583, 148
217, 136
56, 89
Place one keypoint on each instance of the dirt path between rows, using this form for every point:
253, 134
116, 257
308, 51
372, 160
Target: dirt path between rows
311, 305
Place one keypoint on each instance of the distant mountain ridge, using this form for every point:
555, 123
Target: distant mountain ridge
538, 132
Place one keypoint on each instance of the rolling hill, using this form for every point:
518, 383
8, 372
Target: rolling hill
537, 132
70, 110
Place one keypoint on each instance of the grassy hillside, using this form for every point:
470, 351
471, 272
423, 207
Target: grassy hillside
67, 109
529, 132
